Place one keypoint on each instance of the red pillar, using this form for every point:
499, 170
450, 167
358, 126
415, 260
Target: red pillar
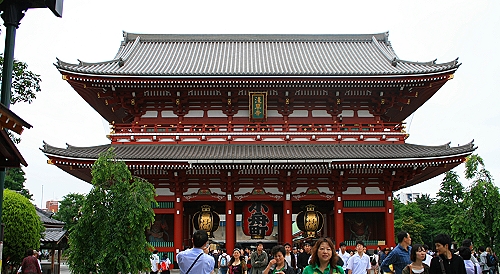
389, 220
178, 223
230, 224
286, 228
339, 220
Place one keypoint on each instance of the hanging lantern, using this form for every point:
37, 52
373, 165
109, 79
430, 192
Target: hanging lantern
310, 221
258, 219
207, 220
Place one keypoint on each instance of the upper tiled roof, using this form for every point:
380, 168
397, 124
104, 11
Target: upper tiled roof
159, 55
227, 153
46, 218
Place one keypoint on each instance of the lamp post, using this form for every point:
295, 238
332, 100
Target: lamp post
12, 13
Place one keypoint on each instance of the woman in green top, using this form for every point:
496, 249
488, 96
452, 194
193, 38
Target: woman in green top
323, 259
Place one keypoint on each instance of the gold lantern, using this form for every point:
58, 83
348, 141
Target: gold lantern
310, 221
207, 220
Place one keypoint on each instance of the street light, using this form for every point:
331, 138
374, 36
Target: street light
12, 13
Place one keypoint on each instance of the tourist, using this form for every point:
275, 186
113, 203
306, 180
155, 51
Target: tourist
289, 257
359, 263
259, 259
165, 264
196, 257
155, 262
470, 266
446, 261
483, 260
323, 258
237, 264
428, 256
303, 258
223, 262
417, 256
399, 256
30, 264
468, 243
247, 260
344, 255
295, 253
278, 264
493, 260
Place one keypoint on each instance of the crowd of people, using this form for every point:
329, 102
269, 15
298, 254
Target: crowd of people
323, 258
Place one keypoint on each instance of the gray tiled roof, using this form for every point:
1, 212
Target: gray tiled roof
256, 55
53, 234
261, 152
46, 217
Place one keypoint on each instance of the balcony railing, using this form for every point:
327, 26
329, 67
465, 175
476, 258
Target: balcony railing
390, 132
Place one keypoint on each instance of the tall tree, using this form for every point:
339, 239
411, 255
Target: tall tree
480, 219
426, 203
409, 218
14, 180
70, 209
448, 202
23, 228
120, 206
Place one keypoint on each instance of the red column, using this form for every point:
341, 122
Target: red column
339, 220
178, 222
389, 220
286, 228
230, 224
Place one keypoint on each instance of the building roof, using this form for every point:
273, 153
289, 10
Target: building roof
262, 153
46, 218
53, 235
170, 55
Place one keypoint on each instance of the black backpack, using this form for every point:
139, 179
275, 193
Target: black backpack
490, 260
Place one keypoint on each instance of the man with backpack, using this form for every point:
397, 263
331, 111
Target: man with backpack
491, 260
223, 262
483, 260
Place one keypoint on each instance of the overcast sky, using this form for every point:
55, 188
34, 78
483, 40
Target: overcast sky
466, 108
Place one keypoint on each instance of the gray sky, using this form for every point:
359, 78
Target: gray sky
466, 108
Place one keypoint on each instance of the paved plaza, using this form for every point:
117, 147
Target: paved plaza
65, 270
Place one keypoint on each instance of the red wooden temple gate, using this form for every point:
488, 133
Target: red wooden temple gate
289, 120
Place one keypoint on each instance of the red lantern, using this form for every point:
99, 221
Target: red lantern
258, 220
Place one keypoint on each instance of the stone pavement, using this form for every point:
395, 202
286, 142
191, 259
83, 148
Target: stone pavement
65, 270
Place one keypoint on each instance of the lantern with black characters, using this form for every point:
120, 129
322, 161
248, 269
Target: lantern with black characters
257, 221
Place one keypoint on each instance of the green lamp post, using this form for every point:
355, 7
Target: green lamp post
12, 13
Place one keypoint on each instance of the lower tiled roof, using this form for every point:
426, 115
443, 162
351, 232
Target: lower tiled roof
53, 235
261, 152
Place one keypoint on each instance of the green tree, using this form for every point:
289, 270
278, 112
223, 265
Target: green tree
109, 236
14, 180
479, 220
409, 218
426, 203
448, 203
25, 84
23, 228
70, 209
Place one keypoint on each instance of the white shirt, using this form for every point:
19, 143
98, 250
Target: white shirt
359, 264
155, 260
345, 257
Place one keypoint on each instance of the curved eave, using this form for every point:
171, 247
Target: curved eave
243, 77
192, 155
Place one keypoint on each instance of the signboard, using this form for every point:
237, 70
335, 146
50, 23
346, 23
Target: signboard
258, 106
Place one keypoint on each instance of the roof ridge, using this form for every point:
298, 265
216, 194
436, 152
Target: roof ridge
128, 37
